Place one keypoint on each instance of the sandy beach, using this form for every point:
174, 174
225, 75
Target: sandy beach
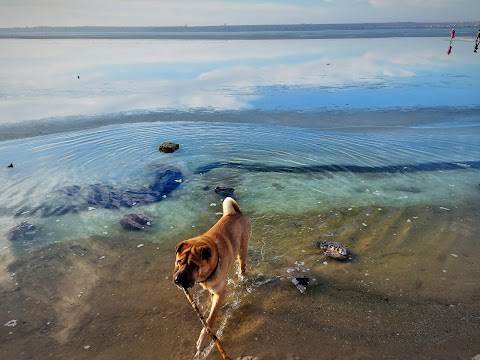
398, 297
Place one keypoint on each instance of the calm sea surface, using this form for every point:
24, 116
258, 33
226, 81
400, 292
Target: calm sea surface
299, 128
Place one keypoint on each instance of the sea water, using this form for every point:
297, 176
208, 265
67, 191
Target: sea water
292, 125
352, 140
273, 169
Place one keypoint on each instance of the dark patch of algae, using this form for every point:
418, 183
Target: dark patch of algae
410, 292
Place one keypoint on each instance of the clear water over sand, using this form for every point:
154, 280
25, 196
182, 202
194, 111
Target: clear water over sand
346, 140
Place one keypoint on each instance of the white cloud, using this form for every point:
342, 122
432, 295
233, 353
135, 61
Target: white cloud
38, 79
154, 13
210, 12
410, 3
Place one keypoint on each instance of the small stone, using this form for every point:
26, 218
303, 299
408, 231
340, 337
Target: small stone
303, 280
335, 250
168, 147
135, 222
224, 191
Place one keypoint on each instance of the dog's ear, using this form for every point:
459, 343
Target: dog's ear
206, 253
179, 246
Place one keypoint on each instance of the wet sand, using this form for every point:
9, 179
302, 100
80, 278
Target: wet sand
411, 291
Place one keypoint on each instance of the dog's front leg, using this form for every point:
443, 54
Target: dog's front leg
204, 338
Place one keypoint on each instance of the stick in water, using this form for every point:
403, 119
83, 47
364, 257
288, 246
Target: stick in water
204, 323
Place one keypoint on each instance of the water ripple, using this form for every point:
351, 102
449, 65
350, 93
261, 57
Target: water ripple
221, 154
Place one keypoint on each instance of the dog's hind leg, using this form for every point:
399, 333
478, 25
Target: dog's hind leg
242, 254
242, 258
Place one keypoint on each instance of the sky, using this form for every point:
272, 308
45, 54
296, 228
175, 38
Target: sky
29, 13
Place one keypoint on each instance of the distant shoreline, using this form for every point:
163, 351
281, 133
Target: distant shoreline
244, 32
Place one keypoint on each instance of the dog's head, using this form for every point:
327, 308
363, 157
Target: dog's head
194, 262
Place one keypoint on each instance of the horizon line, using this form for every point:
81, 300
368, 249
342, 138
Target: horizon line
445, 23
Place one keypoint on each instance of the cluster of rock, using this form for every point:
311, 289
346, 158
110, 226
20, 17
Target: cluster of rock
76, 198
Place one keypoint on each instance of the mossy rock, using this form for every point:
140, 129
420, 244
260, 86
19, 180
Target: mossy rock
168, 147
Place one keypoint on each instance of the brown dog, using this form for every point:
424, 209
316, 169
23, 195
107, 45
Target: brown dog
206, 259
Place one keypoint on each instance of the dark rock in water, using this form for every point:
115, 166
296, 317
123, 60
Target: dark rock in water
224, 191
10, 166
334, 168
56, 210
135, 222
303, 280
77, 198
168, 147
335, 250
108, 197
22, 231
301, 276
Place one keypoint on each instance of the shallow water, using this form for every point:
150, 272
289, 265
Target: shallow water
273, 169
393, 175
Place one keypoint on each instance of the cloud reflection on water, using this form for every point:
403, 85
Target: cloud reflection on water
38, 78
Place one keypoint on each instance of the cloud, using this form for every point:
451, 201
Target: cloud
29, 13
410, 3
154, 13
38, 79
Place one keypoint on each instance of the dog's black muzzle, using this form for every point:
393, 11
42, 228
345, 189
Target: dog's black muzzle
184, 280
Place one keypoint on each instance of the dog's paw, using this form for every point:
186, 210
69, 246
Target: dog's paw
203, 341
242, 277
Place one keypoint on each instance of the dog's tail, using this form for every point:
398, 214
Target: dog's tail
230, 207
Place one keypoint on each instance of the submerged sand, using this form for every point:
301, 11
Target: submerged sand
411, 291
